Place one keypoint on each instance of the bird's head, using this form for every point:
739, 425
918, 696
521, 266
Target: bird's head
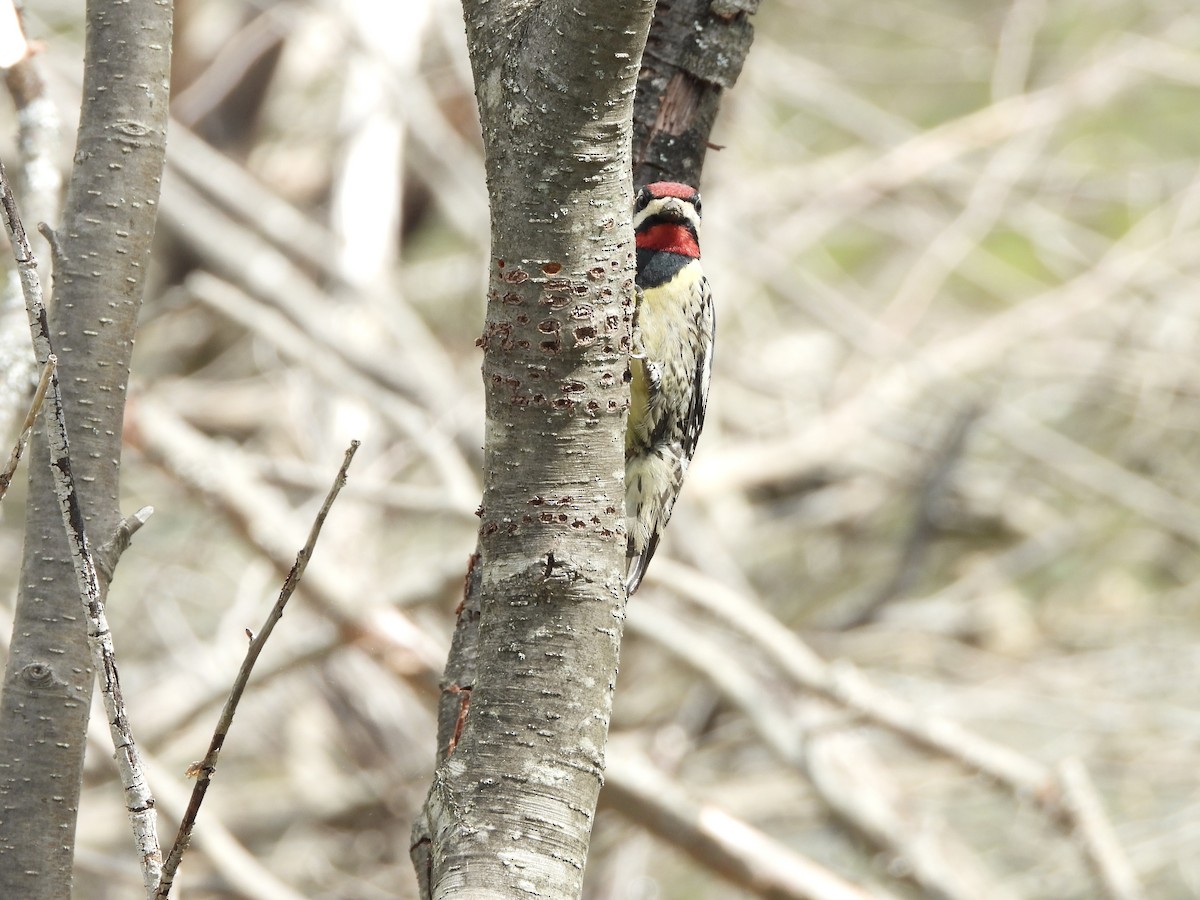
666, 217
668, 201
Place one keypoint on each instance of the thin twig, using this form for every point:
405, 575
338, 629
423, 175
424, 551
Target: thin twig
207, 767
221, 474
914, 550
23, 439
38, 179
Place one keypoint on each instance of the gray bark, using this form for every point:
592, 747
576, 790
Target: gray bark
531, 676
105, 246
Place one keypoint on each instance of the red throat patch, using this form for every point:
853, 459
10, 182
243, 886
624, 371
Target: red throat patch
669, 238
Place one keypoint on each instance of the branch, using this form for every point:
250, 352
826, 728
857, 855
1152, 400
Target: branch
556, 335
731, 848
1062, 797
1100, 845
38, 178
859, 790
220, 473
108, 553
23, 439
138, 800
915, 548
694, 53
207, 767
857, 793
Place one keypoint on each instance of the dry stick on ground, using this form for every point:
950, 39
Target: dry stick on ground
239, 53
859, 789
248, 201
206, 767
844, 684
138, 801
718, 841
859, 803
1100, 845
23, 439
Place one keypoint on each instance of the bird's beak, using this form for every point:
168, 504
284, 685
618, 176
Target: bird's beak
673, 208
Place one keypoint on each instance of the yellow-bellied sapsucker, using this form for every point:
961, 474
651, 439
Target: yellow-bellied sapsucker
673, 327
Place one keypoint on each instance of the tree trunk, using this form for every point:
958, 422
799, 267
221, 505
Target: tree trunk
694, 53
510, 811
105, 247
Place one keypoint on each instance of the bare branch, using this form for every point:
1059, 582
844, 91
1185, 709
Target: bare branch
39, 395
208, 766
1068, 800
38, 179
850, 779
221, 475
1103, 851
109, 553
722, 843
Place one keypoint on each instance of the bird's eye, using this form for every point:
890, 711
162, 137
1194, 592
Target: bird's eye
643, 199
696, 202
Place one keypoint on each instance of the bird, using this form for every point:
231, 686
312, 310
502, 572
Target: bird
670, 367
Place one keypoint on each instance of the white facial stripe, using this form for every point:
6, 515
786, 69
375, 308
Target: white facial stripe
659, 204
